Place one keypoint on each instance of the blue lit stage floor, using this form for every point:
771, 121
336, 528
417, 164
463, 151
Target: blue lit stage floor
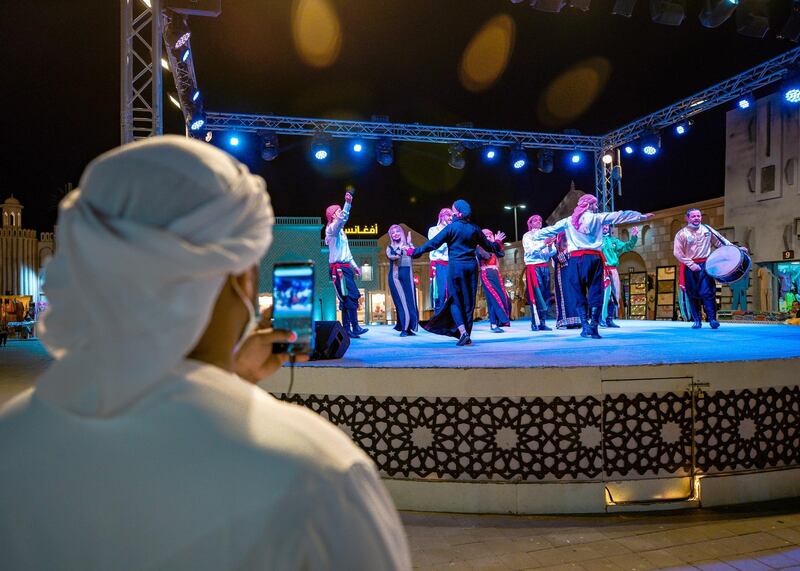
635, 343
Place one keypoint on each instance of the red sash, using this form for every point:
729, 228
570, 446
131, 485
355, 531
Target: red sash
682, 278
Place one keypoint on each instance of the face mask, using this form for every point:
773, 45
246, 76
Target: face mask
252, 322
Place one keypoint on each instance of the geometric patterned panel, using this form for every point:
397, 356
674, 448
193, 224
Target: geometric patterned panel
647, 435
506, 439
612, 437
748, 430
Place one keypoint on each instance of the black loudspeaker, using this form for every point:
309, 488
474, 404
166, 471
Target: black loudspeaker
330, 341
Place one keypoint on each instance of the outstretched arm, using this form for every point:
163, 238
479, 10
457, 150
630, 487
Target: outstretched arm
490, 246
432, 244
339, 223
553, 230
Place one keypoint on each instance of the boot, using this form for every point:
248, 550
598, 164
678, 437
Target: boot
357, 329
593, 324
542, 325
697, 314
346, 324
711, 312
586, 329
610, 323
463, 340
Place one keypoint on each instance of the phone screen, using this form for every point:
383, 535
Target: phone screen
293, 304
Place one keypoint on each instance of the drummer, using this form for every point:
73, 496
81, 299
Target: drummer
692, 247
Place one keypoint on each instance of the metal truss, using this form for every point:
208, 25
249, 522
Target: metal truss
742, 84
140, 58
603, 183
183, 72
216, 121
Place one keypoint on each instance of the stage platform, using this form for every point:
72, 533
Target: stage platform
653, 416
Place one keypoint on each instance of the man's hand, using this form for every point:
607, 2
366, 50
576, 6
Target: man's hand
550, 241
255, 361
409, 251
635, 231
408, 238
692, 266
348, 197
647, 216
499, 237
357, 271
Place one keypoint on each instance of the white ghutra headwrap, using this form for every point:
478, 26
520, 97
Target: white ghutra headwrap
143, 248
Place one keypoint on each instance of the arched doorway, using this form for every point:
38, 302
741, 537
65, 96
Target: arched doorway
631, 262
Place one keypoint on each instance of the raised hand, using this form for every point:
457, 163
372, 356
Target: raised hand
635, 231
348, 197
408, 238
499, 237
254, 360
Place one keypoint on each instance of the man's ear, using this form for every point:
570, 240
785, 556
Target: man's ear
248, 282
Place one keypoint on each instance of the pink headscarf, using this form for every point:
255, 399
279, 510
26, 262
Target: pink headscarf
444, 213
330, 212
488, 233
533, 219
402, 233
584, 203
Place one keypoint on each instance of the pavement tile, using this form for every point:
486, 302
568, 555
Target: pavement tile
660, 558
714, 566
779, 560
630, 562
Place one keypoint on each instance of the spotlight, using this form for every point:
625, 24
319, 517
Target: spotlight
233, 141
165, 63
544, 158
716, 12
745, 102
651, 143
185, 56
490, 153
457, 160
628, 149
196, 121
173, 98
682, 128
624, 8
575, 158
518, 157
176, 32
608, 159
269, 146
668, 12
791, 87
320, 149
791, 29
752, 18
384, 152
357, 147
195, 96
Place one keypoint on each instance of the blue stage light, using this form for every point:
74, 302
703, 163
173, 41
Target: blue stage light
269, 146
320, 148
197, 123
792, 95
196, 95
629, 150
651, 143
358, 147
518, 157
233, 141
649, 149
321, 154
185, 56
575, 158
744, 103
384, 152
680, 129
490, 153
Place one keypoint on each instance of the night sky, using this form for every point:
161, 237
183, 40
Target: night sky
398, 58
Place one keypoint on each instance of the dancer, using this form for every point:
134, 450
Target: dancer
401, 281
462, 237
692, 246
438, 267
343, 267
497, 302
612, 296
566, 314
537, 272
584, 230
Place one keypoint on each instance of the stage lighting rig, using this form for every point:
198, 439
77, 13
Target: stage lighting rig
384, 152
518, 157
457, 160
176, 32
745, 101
628, 149
320, 148
651, 143
716, 12
668, 12
269, 146
791, 29
752, 18
490, 152
544, 160
683, 127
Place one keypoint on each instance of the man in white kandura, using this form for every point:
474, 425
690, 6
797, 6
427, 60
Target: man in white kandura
145, 445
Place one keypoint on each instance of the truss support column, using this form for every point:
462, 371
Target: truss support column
141, 112
603, 189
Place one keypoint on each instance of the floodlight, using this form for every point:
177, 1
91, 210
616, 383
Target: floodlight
384, 152
518, 157
269, 146
176, 32
320, 149
544, 159
651, 143
456, 152
716, 12
752, 18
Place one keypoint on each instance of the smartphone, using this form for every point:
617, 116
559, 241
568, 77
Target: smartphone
293, 305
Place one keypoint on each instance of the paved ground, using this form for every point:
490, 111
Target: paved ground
755, 537
635, 343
